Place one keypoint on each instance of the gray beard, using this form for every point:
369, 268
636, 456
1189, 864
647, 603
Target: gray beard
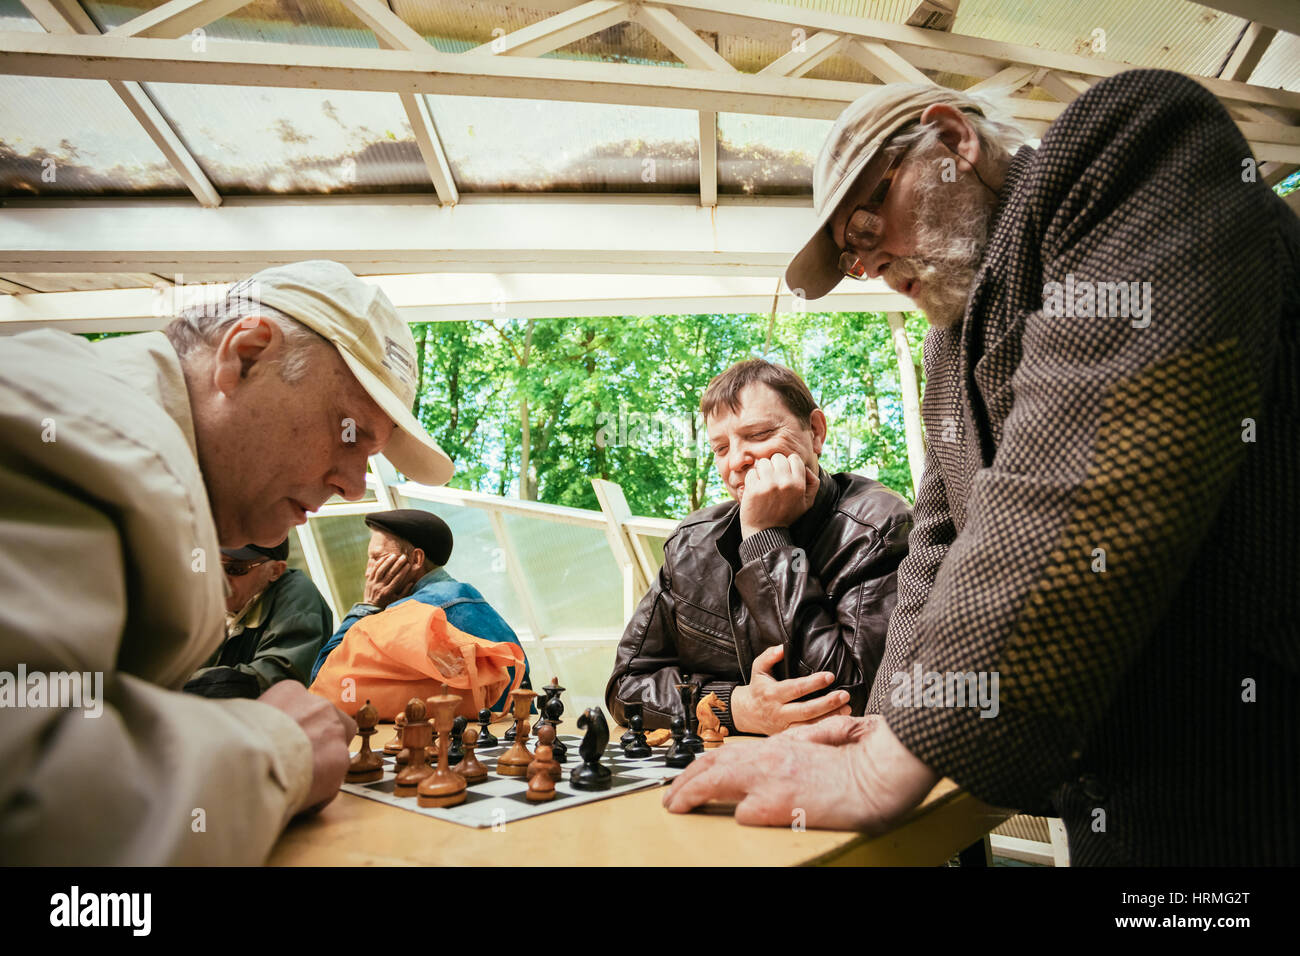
952, 222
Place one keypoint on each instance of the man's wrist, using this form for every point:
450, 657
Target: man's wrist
759, 543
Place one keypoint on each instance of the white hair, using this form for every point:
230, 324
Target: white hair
999, 135
202, 326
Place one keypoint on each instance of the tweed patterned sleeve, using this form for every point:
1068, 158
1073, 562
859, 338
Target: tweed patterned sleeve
932, 533
1123, 435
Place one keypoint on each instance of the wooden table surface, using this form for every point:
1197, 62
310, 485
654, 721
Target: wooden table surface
629, 830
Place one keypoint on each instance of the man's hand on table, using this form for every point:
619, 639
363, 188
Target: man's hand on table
778, 490
329, 730
768, 706
844, 773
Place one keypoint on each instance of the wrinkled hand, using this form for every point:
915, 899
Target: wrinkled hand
329, 730
768, 706
845, 773
778, 490
386, 580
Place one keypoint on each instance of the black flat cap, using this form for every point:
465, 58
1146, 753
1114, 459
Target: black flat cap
423, 529
251, 552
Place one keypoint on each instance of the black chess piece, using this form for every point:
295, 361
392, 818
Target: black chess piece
456, 752
485, 737
554, 708
591, 774
692, 741
638, 749
553, 690
679, 756
629, 710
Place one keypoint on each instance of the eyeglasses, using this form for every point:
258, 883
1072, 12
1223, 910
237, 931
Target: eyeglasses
237, 569
865, 228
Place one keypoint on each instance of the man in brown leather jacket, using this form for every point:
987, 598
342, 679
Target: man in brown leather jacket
778, 601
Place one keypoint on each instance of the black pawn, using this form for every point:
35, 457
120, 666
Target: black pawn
485, 737
638, 749
559, 749
456, 751
629, 711
678, 755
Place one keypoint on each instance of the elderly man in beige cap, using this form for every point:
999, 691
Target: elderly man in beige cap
1097, 616
119, 493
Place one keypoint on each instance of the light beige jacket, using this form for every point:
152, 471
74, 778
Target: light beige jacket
109, 562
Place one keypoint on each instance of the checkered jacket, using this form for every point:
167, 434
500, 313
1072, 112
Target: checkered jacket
1109, 517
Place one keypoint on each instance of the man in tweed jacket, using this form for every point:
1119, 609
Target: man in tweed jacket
1109, 517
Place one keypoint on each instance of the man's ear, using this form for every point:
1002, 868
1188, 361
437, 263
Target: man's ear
250, 340
956, 133
418, 559
817, 422
277, 569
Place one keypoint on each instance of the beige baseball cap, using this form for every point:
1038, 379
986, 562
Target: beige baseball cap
358, 319
855, 139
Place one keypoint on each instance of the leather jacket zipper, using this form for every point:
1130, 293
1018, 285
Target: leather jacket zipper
702, 635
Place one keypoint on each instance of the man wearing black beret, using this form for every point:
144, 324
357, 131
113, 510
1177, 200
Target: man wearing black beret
405, 561
276, 622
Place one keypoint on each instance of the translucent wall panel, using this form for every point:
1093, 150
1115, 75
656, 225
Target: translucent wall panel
342, 542
768, 155
506, 145
584, 672
476, 557
570, 573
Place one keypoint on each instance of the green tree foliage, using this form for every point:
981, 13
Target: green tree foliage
536, 408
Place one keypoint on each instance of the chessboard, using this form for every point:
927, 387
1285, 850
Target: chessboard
499, 800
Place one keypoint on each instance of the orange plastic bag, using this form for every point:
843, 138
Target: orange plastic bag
411, 651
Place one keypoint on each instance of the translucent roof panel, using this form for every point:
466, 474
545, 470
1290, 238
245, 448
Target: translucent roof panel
315, 22
1279, 67
61, 137
765, 155
262, 140
1172, 34
508, 145
266, 140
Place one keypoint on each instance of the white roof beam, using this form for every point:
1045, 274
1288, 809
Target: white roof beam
176, 18
698, 55
886, 64
402, 71
1248, 52
1282, 14
461, 297
1063, 86
384, 237
394, 33
557, 31
14, 288
806, 56
1008, 81
951, 52
69, 18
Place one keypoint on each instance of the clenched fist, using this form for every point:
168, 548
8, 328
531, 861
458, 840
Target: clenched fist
778, 490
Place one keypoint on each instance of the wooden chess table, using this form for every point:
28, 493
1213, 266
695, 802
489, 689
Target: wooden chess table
627, 830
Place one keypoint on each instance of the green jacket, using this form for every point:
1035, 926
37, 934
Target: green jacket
277, 638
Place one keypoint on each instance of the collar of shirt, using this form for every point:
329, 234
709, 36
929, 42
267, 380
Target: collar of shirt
436, 576
250, 616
